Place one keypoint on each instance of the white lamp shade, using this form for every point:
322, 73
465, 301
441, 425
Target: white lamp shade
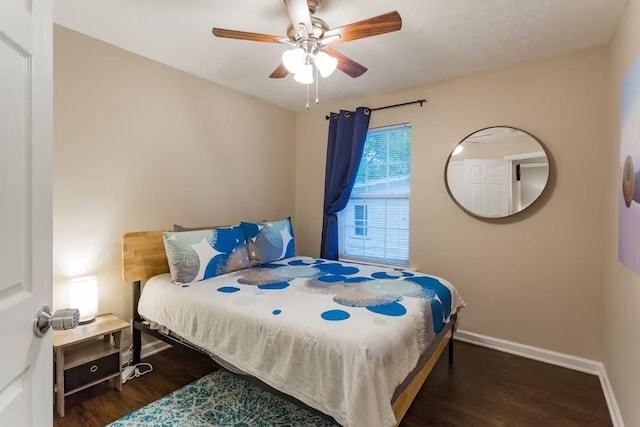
304, 75
294, 59
83, 295
458, 150
326, 64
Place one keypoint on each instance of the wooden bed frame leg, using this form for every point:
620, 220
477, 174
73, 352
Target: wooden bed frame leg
137, 345
453, 332
136, 336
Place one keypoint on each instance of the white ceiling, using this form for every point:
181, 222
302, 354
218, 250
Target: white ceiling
439, 39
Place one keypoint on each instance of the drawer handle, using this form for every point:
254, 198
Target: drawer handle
93, 369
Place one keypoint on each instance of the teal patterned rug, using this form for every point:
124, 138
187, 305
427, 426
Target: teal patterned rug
221, 399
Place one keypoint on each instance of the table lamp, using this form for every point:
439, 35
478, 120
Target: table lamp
83, 295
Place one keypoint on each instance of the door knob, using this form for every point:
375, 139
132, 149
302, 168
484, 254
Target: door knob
60, 320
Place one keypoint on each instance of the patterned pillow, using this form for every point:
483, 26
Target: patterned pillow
201, 254
269, 241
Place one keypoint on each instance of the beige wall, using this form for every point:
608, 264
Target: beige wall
621, 287
139, 146
534, 279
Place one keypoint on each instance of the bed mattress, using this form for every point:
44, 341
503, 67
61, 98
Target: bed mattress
339, 337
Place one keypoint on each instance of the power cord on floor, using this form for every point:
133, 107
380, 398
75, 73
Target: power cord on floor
135, 371
129, 371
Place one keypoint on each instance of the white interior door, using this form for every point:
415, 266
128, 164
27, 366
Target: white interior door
25, 212
487, 185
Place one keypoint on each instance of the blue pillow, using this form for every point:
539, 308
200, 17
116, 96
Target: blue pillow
269, 241
201, 254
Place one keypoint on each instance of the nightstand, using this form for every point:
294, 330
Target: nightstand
88, 355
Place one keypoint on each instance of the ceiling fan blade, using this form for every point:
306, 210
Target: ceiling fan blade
279, 73
243, 35
377, 25
346, 64
299, 14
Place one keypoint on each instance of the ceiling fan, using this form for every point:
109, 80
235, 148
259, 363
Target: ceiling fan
310, 38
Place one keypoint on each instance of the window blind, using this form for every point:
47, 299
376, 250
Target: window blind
375, 224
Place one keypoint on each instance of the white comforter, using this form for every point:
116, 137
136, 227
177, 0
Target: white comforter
282, 326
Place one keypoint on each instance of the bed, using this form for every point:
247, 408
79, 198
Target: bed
350, 342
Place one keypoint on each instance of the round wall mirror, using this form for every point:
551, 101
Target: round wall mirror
497, 172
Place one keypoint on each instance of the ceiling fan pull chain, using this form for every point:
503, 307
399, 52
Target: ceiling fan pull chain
317, 83
307, 96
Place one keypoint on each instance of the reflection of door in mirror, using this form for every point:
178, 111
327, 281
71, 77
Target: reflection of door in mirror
483, 184
496, 172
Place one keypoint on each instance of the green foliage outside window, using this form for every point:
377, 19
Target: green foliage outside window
387, 155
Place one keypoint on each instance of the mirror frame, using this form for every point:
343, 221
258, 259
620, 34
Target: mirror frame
498, 218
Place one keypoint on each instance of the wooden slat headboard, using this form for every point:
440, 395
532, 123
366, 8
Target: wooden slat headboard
143, 255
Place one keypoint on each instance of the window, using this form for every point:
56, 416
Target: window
375, 224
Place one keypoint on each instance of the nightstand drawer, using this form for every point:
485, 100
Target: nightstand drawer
91, 371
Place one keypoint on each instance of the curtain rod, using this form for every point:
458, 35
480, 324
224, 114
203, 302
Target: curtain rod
419, 101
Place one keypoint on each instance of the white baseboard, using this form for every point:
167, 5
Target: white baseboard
535, 353
612, 403
553, 358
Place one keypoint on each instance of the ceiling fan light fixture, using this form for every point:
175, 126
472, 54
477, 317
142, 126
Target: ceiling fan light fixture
326, 63
294, 59
304, 75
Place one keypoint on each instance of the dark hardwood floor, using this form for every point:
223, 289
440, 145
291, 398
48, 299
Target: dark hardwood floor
483, 388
